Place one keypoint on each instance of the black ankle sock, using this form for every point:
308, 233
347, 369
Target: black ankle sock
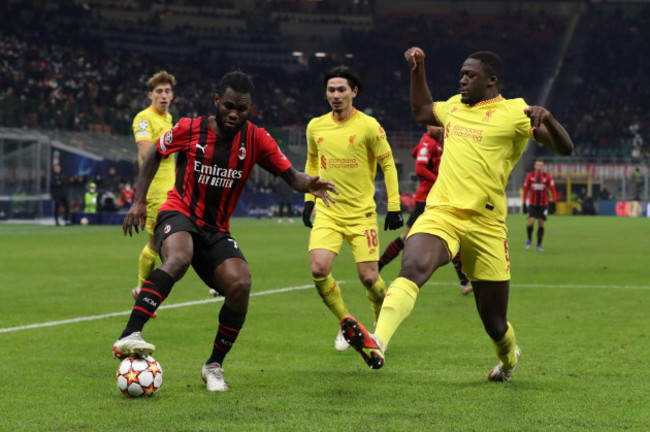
153, 292
230, 323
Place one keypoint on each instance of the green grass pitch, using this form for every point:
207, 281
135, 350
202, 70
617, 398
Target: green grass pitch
580, 310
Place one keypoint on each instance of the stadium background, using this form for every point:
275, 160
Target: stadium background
73, 76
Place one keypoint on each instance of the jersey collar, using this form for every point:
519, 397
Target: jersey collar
155, 111
352, 113
499, 98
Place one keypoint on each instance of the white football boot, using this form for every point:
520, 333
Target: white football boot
503, 375
466, 289
212, 375
132, 345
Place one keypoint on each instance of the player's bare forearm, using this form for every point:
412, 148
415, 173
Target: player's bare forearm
310, 184
137, 214
561, 141
549, 131
147, 173
420, 96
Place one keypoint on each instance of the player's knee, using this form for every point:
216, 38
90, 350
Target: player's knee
176, 264
238, 291
368, 279
416, 270
319, 270
496, 328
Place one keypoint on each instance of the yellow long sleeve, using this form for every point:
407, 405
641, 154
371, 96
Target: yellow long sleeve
387, 165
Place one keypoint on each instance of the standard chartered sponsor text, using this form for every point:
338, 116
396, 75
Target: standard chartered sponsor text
342, 163
467, 132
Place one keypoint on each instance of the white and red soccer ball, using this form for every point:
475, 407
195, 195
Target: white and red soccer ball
139, 376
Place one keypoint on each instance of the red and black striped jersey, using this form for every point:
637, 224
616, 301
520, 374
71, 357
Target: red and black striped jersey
539, 185
427, 156
211, 171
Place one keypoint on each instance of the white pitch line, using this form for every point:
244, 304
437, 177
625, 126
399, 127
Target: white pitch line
170, 306
296, 288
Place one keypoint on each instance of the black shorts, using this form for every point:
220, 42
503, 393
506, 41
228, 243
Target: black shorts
538, 211
417, 211
210, 249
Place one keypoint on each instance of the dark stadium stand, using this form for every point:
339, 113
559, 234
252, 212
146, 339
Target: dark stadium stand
90, 75
77, 70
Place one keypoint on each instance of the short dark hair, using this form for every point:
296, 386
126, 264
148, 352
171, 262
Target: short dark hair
491, 62
344, 72
236, 80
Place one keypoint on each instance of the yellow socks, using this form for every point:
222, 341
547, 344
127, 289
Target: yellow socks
146, 263
330, 292
398, 304
505, 349
376, 294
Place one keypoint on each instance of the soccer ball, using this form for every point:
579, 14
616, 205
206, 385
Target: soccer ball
83, 221
139, 376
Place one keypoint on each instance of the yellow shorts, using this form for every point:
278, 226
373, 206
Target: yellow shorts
153, 205
482, 241
363, 237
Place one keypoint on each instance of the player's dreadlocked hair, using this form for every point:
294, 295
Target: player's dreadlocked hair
162, 77
491, 62
344, 72
236, 80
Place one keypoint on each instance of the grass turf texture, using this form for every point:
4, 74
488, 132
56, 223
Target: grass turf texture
579, 310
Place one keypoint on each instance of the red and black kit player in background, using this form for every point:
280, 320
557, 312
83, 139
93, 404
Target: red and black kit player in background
538, 183
427, 154
216, 155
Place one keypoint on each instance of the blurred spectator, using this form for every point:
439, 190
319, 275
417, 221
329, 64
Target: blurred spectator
90, 199
125, 196
638, 179
604, 193
59, 192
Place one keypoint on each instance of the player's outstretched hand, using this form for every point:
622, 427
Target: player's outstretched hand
413, 56
393, 220
537, 115
135, 218
306, 213
551, 207
525, 208
320, 188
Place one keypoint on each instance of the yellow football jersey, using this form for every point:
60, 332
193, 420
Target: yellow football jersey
347, 153
148, 125
483, 142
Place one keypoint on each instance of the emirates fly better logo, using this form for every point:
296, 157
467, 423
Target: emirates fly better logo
213, 175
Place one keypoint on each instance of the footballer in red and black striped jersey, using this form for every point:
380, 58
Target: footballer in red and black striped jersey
539, 184
212, 169
215, 156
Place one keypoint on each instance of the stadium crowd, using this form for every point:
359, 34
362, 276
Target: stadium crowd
62, 66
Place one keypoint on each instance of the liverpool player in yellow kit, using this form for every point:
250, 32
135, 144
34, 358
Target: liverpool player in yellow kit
344, 146
485, 135
148, 126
